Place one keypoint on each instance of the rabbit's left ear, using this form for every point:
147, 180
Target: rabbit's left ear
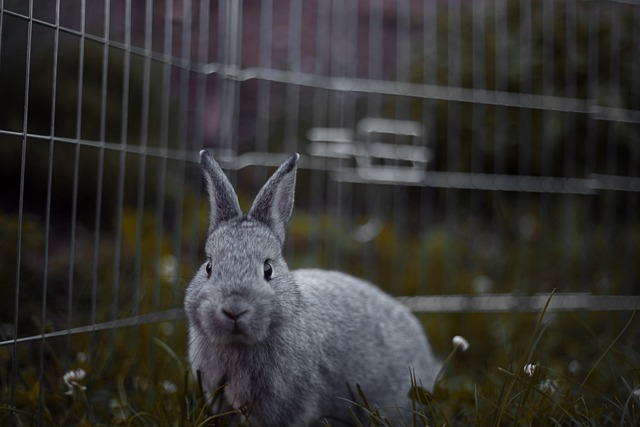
274, 203
223, 201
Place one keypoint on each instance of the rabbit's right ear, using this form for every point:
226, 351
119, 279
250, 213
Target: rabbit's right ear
274, 203
223, 201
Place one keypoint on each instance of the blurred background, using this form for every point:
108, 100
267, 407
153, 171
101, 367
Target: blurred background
456, 148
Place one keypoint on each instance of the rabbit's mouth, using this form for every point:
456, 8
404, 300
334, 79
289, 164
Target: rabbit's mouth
237, 335
233, 327
237, 329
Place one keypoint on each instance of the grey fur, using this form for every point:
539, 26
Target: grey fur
291, 349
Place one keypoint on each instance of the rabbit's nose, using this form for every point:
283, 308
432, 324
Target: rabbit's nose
233, 314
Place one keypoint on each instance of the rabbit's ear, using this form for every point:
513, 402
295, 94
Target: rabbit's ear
223, 201
274, 203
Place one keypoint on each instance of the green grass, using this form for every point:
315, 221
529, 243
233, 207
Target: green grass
587, 373
587, 363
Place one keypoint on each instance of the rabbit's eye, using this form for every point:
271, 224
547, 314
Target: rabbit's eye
209, 268
268, 270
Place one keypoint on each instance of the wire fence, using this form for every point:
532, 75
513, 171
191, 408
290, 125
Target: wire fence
470, 154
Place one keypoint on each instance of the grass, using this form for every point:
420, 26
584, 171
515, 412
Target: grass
139, 377
587, 363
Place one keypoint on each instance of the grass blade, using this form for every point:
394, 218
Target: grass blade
522, 362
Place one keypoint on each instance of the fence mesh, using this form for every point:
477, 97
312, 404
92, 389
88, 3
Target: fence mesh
449, 148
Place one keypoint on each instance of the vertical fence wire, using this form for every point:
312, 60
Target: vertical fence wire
45, 283
569, 152
200, 119
454, 109
184, 103
610, 156
292, 95
23, 156
633, 199
263, 103
372, 203
430, 64
500, 36
591, 125
230, 35
479, 120
142, 159
336, 19
523, 201
317, 187
100, 177
161, 183
122, 169
403, 47
76, 177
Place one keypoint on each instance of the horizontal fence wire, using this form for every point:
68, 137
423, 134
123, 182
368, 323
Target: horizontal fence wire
454, 180
501, 303
488, 303
366, 85
432, 92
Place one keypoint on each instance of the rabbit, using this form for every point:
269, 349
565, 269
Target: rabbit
290, 348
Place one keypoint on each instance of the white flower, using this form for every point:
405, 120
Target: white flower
73, 380
169, 268
460, 343
140, 383
529, 369
167, 328
118, 410
574, 367
482, 284
168, 387
548, 386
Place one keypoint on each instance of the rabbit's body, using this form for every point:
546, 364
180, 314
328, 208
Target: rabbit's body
289, 347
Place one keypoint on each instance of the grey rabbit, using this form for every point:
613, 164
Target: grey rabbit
289, 347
